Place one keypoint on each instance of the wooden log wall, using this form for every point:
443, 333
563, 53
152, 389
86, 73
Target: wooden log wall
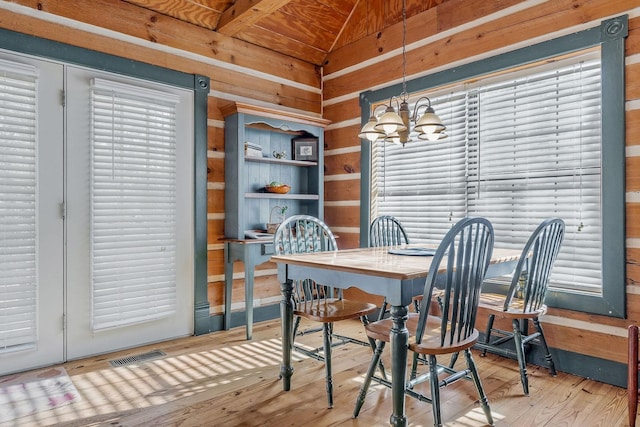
457, 32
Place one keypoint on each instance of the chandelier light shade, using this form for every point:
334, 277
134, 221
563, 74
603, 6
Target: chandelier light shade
369, 131
395, 127
429, 122
390, 122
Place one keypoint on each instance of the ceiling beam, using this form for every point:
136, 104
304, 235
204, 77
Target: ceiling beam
244, 13
197, 12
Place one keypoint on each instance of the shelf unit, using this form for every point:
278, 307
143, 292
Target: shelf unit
247, 205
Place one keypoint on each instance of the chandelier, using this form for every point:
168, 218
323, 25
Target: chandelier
392, 126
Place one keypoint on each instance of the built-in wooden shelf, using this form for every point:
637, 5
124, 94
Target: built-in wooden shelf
304, 163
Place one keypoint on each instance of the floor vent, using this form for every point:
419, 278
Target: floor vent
138, 358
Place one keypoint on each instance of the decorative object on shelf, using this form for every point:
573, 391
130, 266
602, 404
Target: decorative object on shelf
252, 150
395, 127
277, 187
305, 149
276, 216
279, 154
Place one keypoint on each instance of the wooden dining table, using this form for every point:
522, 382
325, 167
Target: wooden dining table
374, 270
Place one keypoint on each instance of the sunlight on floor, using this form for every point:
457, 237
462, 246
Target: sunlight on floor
162, 381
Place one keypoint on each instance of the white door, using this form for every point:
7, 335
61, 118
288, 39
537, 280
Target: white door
75, 280
31, 220
129, 186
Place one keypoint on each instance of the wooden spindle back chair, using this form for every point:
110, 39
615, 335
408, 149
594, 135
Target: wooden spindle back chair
525, 302
387, 230
458, 268
314, 301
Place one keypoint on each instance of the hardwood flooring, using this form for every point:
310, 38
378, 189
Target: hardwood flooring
221, 379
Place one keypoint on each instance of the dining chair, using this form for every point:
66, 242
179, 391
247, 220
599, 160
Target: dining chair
458, 268
314, 301
387, 230
632, 374
524, 300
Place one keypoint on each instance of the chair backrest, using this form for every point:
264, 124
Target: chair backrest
305, 234
387, 230
535, 265
458, 267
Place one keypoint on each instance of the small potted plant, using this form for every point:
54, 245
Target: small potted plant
276, 216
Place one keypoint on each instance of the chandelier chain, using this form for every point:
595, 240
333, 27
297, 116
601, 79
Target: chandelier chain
396, 126
404, 95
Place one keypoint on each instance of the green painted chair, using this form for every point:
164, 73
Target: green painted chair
525, 301
314, 301
387, 230
458, 268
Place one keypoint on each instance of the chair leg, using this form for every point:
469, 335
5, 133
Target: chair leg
435, 391
383, 309
375, 359
372, 344
632, 374
454, 359
547, 353
295, 328
487, 335
471, 364
327, 362
517, 338
414, 367
417, 305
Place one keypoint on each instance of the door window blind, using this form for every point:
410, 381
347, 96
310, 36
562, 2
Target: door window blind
133, 204
519, 151
18, 207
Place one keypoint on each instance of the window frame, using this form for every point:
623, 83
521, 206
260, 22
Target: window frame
609, 36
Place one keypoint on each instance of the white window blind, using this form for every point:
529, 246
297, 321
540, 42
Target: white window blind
538, 155
133, 204
18, 208
530, 149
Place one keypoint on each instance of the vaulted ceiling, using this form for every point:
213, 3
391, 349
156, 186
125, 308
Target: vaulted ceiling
305, 29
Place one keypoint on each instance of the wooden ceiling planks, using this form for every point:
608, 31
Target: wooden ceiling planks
308, 30
203, 13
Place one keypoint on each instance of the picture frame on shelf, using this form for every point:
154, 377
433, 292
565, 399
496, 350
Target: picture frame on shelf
305, 149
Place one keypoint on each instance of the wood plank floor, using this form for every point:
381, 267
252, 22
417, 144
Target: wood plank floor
221, 379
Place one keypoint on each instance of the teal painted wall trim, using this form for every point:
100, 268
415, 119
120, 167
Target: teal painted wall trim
201, 301
36, 46
605, 371
260, 314
365, 174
